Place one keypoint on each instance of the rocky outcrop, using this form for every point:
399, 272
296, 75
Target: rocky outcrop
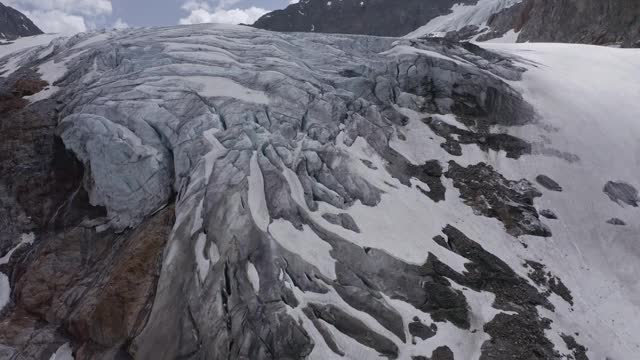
491, 195
14, 24
69, 283
622, 193
616, 221
548, 183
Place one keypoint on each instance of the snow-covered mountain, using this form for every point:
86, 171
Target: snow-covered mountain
224, 192
572, 21
14, 24
369, 17
615, 22
473, 17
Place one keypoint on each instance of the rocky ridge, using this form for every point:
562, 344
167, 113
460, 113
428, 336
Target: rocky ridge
14, 24
612, 22
367, 17
609, 22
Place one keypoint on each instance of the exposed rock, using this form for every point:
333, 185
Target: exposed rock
549, 214
516, 335
486, 272
359, 272
25, 337
465, 33
491, 195
548, 183
113, 305
93, 287
356, 329
609, 22
429, 173
324, 331
361, 297
511, 18
520, 337
616, 221
14, 24
585, 21
622, 192
548, 280
344, 220
26, 87
513, 146
442, 353
122, 297
422, 331
579, 351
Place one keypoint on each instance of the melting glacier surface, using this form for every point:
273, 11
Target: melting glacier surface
336, 193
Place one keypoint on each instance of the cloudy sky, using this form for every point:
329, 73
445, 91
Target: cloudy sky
71, 16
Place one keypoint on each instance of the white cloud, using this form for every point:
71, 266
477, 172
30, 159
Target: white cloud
203, 12
65, 17
57, 22
291, 2
79, 7
120, 24
193, 5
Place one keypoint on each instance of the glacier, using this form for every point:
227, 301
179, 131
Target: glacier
333, 196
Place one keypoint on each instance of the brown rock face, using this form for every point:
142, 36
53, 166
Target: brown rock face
95, 287
113, 310
27, 87
73, 285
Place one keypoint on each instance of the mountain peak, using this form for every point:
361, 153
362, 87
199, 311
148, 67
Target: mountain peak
14, 24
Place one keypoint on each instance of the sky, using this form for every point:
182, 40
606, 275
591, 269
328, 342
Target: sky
72, 16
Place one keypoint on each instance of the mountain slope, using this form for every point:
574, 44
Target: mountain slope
464, 16
225, 192
370, 17
570, 21
13, 24
585, 21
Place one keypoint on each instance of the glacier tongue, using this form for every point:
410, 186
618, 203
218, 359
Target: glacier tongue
348, 196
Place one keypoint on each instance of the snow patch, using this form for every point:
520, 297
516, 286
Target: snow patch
17, 47
582, 92
25, 239
201, 260
215, 86
305, 243
5, 291
400, 50
254, 277
463, 15
64, 352
257, 200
